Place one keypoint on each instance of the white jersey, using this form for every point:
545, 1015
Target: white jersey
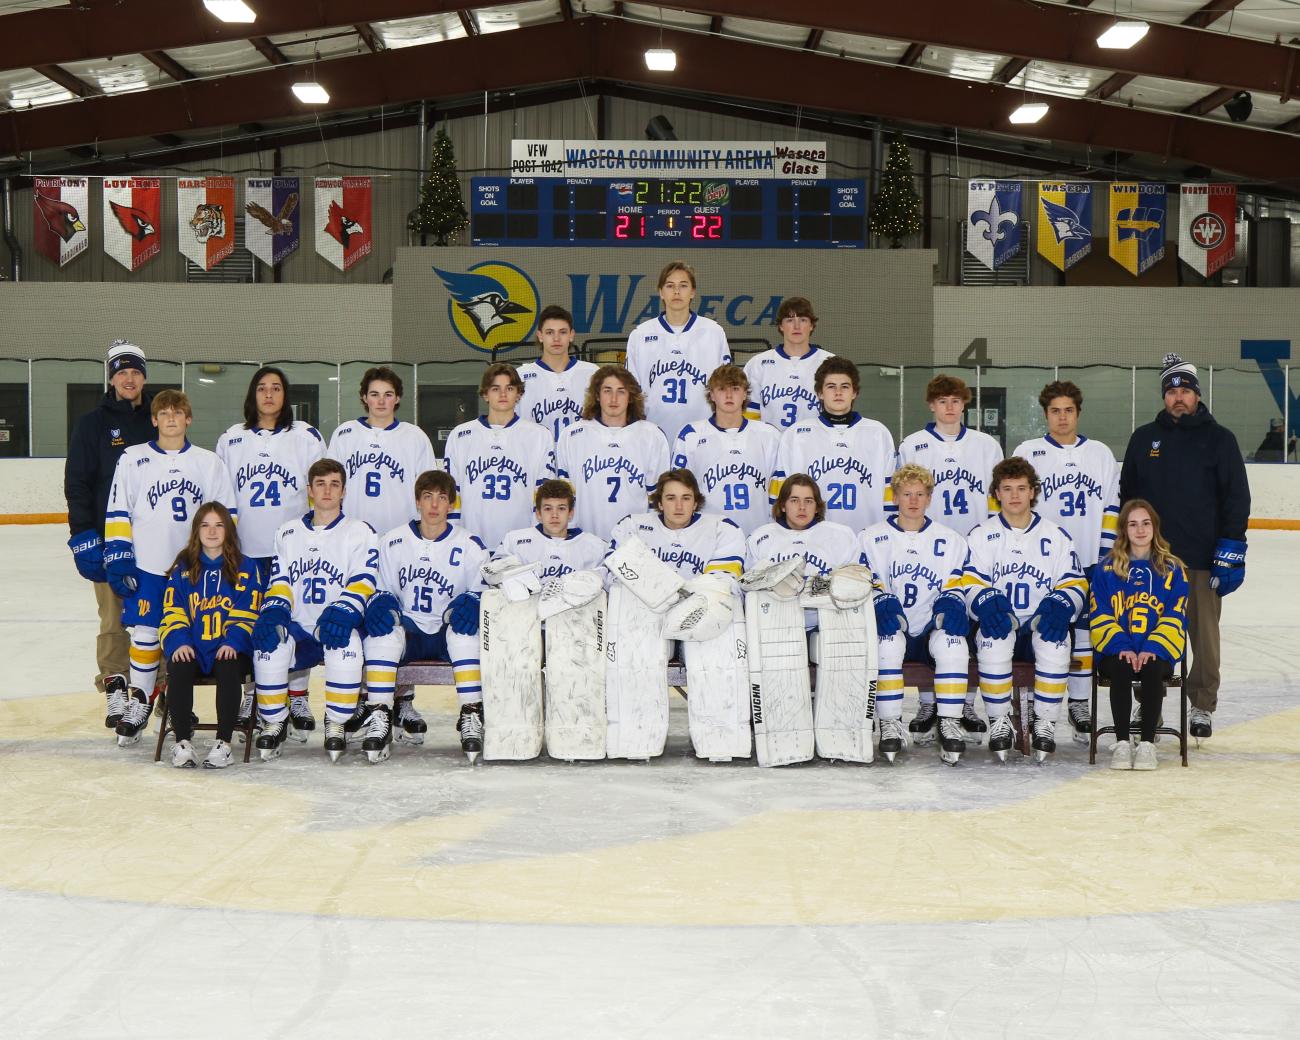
154, 497
824, 545
732, 466
382, 467
496, 470
915, 566
1080, 491
963, 473
673, 367
781, 387
612, 470
426, 574
269, 471
707, 545
554, 399
1025, 565
316, 566
851, 464
580, 551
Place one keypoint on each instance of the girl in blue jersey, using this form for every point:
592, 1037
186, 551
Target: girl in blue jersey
213, 595
1139, 611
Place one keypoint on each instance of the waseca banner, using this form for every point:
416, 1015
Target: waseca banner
271, 233
205, 219
1207, 240
1064, 222
761, 159
343, 219
60, 210
132, 217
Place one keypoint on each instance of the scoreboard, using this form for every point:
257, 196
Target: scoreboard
750, 214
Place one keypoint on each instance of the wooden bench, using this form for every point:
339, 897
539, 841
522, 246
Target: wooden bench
1177, 682
165, 722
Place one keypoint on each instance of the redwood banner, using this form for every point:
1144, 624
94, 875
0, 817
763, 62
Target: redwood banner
271, 228
205, 219
1207, 239
343, 216
132, 217
60, 211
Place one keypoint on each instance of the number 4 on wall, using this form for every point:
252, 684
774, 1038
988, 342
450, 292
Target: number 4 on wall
975, 354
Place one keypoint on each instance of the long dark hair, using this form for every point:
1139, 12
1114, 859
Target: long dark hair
190, 559
285, 418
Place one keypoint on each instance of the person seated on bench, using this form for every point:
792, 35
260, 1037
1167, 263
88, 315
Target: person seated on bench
211, 602
1139, 614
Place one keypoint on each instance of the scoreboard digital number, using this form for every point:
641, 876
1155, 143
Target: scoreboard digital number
750, 214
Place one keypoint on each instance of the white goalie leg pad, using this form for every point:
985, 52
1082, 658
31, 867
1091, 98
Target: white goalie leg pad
780, 696
847, 670
636, 678
510, 661
783, 579
575, 681
717, 679
651, 580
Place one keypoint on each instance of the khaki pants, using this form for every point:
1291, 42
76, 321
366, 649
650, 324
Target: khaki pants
112, 645
1204, 606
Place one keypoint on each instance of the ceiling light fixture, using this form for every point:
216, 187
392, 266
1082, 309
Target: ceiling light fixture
1122, 35
661, 58
230, 10
311, 93
1029, 112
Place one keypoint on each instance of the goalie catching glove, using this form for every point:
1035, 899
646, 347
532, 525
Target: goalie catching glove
704, 613
844, 587
516, 579
575, 589
783, 579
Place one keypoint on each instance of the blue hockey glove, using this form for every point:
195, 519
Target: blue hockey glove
88, 554
119, 566
950, 615
462, 615
1228, 569
336, 625
889, 615
272, 626
994, 612
1053, 617
383, 614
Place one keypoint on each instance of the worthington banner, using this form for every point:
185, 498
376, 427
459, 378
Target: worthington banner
343, 219
132, 220
1207, 237
993, 221
205, 219
272, 217
60, 217
1064, 222
1138, 213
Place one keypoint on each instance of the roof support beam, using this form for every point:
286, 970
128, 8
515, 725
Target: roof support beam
268, 50
1210, 102
912, 55
169, 65
1015, 66
369, 37
75, 85
467, 20
814, 40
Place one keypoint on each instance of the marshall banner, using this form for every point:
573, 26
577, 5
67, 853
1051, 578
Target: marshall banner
1207, 239
60, 209
272, 227
205, 219
1064, 222
343, 219
993, 221
1137, 225
132, 217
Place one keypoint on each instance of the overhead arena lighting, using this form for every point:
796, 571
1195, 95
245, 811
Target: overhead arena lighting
1122, 35
661, 59
1029, 112
230, 10
311, 93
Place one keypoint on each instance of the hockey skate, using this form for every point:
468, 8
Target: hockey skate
893, 738
952, 741
1044, 740
470, 727
301, 723
377, 738
115, 691
246, 705
972, 725
1080, 721
219, 756
1198, 725
921, 728
183, 756
134, 719
1001, 736
270, 740
354, 728
1144, 756
336, 739
408, 724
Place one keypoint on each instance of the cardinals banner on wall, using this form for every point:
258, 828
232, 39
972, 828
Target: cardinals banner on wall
1064, 222
1137, 225
993, 221
205, 219
272, 226
1208, 218
60, 209
132, 217
343, 219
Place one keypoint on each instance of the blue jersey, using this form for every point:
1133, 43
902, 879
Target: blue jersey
211, 612
1145, 613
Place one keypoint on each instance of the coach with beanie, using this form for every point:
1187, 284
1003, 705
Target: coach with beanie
1190, 468
120, 420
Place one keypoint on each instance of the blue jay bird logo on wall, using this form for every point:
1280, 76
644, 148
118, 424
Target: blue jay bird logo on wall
491, 306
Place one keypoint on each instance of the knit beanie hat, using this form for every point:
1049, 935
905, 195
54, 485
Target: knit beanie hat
1177, 372
122, 353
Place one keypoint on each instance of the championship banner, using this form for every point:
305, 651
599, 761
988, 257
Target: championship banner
993, 221
60, 209
343, 219
1137, 225
271, 232
1207, 240
1064, 222
132, 217
205, 219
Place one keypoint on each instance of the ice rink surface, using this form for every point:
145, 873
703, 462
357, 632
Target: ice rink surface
421, 897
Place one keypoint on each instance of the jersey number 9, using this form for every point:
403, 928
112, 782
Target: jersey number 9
179, 513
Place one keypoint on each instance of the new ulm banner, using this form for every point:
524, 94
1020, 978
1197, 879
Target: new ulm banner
271, 230
343, 218
132, 217
60, 211
1207, 238
205, 219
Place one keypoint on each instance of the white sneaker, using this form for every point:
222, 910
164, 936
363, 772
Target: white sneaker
1121, 755
219, 756
1145, 756
183, 756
